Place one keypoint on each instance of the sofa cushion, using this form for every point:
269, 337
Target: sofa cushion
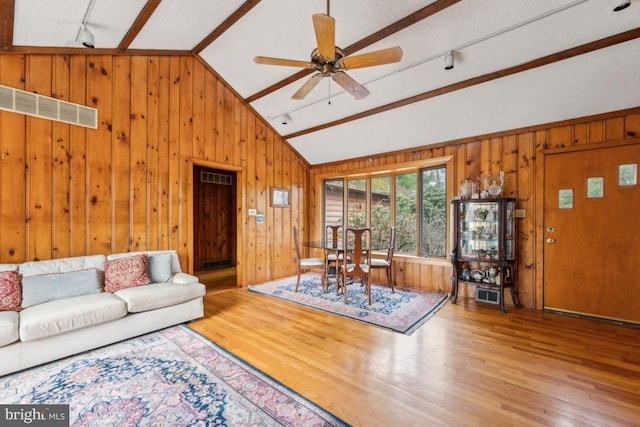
68, 314
8, 267
48, 287
62, 265
184, 279
159, 295
125, 273
8, 327
159, 267
10, 291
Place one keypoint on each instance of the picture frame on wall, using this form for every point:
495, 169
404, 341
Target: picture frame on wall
279, 197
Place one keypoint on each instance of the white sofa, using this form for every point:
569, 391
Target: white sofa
66, 310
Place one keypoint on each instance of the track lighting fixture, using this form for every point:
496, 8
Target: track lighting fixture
619, 5
86, 38
448, 61
284, 119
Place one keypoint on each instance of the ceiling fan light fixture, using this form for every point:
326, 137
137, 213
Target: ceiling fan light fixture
86, 38
619, 5
330, 61
448, 61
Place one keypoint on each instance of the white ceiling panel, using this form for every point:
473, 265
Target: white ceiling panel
57, 23
182, 24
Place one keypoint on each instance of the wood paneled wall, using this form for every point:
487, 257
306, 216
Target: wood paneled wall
513, 152
69, 191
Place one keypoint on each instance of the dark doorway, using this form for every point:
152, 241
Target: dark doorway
214, 226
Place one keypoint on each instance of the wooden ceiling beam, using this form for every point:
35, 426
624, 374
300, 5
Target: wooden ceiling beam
7, 10
138, 24
225, 25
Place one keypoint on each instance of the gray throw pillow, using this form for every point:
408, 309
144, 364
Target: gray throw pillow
159, 267
49, 287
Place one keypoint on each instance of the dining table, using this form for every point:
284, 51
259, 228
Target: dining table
329, 246
333, 246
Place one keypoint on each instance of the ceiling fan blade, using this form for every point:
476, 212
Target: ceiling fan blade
325, 28
307, 86
350, 85
285, 62
378, 57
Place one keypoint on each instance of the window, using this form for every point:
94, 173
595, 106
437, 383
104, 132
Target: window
434, 212
356, 203
380, 200
333, 201
406, 213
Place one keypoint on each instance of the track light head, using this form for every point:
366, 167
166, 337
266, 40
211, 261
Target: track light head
284, 119
86, 38
619, 5
448, 61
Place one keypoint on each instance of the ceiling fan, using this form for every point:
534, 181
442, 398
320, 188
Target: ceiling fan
330, 61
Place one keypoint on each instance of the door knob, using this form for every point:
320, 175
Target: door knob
551, 240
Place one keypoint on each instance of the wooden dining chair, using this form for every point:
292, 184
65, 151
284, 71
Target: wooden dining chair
387, 262
315, 264
358, 257
333, 256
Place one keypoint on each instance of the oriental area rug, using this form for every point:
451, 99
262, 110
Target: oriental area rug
404, 310
174, 377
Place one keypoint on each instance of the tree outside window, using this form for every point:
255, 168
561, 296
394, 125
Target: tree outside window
434, 212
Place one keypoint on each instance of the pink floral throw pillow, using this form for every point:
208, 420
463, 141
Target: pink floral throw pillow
125, 273
10, 291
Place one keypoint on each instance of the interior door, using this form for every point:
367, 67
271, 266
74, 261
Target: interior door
592, 232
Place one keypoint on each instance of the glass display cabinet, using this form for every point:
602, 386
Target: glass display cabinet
484, 248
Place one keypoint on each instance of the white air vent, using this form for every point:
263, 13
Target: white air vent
216, 178
45, 107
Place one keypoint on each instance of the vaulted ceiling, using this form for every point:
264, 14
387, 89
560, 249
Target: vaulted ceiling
517, 63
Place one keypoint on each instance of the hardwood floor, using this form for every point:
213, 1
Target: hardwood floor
468, 365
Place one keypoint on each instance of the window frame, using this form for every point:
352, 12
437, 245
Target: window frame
392, 170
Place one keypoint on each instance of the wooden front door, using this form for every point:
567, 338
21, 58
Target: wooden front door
592, 235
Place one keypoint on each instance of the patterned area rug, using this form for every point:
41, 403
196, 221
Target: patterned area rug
173, 377
403, 311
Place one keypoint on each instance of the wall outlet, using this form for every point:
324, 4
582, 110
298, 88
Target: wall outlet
520, 213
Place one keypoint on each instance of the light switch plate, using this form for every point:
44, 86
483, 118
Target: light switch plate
521, 213
252, 212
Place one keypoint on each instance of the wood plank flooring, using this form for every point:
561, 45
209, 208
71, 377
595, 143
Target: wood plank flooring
468, 365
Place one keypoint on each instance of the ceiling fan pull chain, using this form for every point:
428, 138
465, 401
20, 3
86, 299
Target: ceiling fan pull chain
329, 99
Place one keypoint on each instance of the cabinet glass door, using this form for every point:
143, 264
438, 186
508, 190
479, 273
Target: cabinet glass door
479, 230
508, 246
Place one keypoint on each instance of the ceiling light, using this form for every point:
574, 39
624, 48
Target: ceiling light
619, 5
86, 38
448, 61
284, 119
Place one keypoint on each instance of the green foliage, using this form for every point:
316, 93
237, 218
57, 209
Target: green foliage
434, 212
